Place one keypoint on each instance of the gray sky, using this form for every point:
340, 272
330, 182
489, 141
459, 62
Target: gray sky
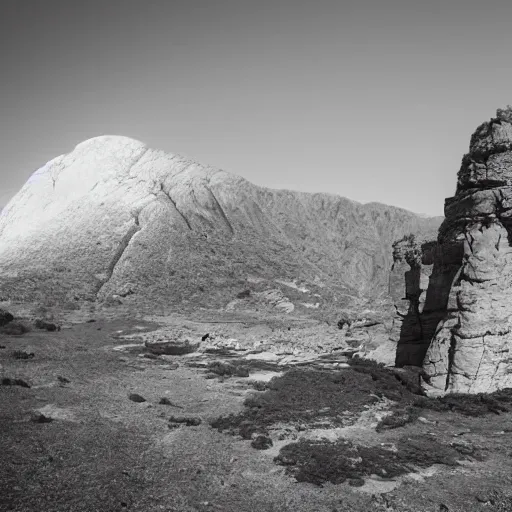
374, 100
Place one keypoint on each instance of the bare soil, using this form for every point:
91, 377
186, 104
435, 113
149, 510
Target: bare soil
101, 451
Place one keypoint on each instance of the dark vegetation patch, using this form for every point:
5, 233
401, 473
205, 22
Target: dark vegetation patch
399, 417
46, 326
244, 365
21, 354
319, 462
15, 328
470, 405
7, 381
225, 369
262, 442
306, 397
5, 317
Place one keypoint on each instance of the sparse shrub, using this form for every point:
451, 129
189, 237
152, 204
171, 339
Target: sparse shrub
259, 386
21, 354
44, 325
398, 418
470, 405
15, 328
262, 442
71, 306
319, 462
5, 317
244, 294
227, 369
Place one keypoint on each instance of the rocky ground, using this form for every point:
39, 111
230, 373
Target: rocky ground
251, 421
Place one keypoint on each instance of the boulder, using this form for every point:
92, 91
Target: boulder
46, 326
5, 317
171, 347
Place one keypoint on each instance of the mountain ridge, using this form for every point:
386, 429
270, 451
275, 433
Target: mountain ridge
114, 217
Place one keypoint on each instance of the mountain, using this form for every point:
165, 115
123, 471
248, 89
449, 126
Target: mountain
114, 220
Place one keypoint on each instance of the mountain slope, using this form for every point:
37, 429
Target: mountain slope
115, 217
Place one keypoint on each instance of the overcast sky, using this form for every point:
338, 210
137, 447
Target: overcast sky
374, 100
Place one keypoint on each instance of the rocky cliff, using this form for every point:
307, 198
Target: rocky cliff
457, 319
115, 218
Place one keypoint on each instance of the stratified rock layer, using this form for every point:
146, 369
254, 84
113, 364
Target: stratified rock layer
472, 273
117, 222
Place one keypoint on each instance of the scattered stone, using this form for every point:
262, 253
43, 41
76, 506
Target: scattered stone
244, 294
126, 290
463, 447
172, 366
39, 417
176, 347
134, 397
189, 421
5, 317
262, 442
149, 356
6, 381
484, 498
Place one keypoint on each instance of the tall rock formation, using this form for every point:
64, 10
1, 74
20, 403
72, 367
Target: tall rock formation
467, 315
114, 217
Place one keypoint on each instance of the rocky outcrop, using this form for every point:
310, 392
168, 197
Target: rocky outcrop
471, 281
420, 283
116, 222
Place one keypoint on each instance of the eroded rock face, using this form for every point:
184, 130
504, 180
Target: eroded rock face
420, 283
116, 222
471, 348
